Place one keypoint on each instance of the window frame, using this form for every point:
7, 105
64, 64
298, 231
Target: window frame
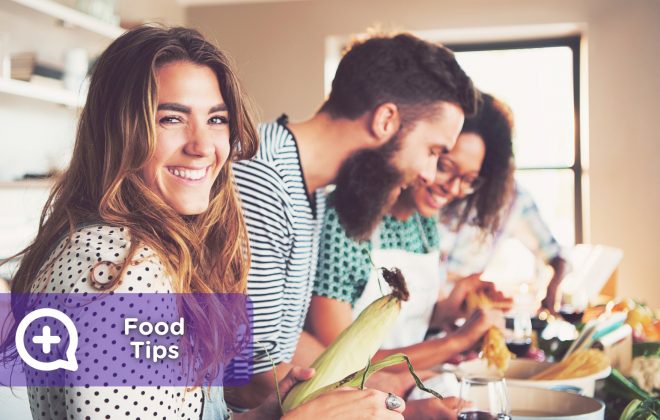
573, 42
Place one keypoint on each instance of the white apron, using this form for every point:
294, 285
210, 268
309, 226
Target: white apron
422, 274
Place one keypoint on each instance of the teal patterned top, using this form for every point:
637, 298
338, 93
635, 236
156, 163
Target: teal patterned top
343, 266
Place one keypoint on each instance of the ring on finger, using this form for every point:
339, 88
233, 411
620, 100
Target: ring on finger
392, 402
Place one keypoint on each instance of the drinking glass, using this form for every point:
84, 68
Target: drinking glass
483, 398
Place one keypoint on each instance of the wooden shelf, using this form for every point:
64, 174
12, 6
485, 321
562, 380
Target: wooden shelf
45, 183
71, 17
44, 93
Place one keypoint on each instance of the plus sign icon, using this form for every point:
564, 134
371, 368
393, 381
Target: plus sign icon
44, 341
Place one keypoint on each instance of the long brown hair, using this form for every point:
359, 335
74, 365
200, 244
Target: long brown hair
207, 253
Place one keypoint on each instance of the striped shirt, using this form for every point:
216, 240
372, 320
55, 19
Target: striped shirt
283, 228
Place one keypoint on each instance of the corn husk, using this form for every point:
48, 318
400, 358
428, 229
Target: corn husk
358, 379
354, 347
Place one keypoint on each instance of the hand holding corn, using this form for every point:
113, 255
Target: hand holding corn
356, 345
345, 403
494, 348
455, 305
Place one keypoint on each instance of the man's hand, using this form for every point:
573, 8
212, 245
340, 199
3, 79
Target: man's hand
270, 408
549, 303
558, 265
351, 404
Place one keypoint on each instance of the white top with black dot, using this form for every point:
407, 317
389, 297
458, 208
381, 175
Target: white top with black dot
68, 270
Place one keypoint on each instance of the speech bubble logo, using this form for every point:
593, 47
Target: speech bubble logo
46, 340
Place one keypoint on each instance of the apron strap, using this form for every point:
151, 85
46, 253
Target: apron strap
375, 238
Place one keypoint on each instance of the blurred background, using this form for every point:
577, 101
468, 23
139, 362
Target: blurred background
581, 76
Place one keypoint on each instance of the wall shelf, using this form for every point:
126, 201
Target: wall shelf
70, 17
44, 93
45, 183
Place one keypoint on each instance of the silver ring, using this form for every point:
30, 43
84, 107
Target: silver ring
392, 402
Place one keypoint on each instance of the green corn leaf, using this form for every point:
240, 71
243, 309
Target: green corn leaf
357, 379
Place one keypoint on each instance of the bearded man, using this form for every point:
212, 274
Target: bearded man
397, 103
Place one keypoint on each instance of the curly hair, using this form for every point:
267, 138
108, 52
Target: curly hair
493, 122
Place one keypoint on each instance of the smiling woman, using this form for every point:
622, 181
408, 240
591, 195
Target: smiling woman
192, 127
151, 147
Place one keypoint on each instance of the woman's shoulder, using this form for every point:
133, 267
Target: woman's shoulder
95, 257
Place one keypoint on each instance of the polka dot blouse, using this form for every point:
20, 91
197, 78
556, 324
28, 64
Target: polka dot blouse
68, 270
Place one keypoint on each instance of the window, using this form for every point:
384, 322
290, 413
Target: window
539, 80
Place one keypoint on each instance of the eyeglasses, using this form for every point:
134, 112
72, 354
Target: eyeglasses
449, 172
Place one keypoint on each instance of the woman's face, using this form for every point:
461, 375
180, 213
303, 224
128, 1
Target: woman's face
456, 171
192, 137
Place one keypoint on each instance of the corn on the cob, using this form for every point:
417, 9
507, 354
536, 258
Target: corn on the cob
495, 351
493, 348
355, 346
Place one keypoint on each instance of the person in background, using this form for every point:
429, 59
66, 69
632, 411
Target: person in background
397, 103
479, 165
468, 249
150, 191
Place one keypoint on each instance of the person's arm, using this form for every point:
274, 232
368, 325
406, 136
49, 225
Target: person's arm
343, 270
263, 198
327, 318
309, 348
534, 232
430, 353
453, 307
423, 355
558, 265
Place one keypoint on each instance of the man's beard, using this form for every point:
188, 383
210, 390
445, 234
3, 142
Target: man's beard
367, 185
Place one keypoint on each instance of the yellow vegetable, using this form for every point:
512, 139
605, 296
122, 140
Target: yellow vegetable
493, 348
356, 345
495, 351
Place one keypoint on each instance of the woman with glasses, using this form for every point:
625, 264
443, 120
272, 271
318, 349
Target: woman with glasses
477, 174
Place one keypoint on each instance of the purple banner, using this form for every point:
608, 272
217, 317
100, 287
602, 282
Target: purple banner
126, 339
